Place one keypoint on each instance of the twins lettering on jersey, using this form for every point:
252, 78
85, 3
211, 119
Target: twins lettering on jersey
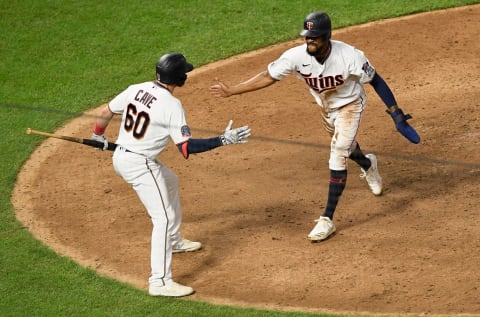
322, 83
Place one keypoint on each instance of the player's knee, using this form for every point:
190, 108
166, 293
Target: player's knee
337, 162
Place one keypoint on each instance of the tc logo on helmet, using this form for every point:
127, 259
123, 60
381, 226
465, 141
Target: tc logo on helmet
309, 25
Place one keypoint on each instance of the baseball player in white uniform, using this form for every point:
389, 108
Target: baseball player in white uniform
335, 73
151, 116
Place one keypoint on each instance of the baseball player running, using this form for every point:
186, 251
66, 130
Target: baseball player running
151, 116
334, 73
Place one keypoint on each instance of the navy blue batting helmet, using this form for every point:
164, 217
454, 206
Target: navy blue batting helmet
317, 24
172, 68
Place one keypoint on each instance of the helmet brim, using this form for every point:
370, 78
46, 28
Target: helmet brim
311, 33
188, 67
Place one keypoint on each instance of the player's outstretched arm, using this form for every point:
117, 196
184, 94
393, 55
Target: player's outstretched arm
399, 118
230, 136
259, 81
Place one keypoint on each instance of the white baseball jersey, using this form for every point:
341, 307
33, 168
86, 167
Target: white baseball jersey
151, 115
336, 83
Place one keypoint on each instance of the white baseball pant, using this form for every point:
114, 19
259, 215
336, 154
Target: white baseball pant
157, 188
342, 124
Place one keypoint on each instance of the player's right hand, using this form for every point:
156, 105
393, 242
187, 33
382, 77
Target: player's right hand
102, 139
220, 89
235, 136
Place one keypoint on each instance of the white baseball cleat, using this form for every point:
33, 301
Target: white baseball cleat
170, 289
372, 176
186, 246
322, 230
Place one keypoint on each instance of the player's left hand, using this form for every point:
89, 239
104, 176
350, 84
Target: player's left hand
400, 120
235, 136
102, 139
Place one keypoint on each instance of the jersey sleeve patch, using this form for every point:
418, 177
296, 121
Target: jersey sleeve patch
368, 69
185, 130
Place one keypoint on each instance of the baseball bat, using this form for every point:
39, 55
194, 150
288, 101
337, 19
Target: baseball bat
93, 143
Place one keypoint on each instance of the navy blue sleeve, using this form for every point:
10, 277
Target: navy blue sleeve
383, 91
399, 118
193, 146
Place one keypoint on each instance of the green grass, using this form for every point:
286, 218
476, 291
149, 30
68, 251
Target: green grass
59, 58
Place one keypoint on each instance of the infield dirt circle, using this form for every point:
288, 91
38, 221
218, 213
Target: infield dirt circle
415, 249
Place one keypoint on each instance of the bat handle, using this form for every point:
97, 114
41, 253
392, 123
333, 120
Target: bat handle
111, 146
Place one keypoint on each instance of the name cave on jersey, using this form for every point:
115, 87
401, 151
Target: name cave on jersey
145, 98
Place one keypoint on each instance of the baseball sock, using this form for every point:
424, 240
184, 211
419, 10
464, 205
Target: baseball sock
338, 180
358, 157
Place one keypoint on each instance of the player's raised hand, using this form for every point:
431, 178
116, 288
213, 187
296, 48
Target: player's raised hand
220, 89
235, 136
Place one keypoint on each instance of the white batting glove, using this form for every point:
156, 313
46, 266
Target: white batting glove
235, 136
102, 139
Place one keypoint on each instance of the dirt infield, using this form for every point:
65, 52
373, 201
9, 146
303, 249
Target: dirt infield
415, 249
